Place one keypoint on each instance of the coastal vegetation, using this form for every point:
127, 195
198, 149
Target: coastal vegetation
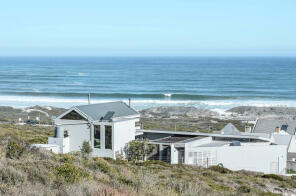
30, 171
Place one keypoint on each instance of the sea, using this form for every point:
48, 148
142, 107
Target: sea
216, 83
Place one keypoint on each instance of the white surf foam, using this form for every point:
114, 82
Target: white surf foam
168, 94
218, 105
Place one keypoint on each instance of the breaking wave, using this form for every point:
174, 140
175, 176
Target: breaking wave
220, 105
124, 95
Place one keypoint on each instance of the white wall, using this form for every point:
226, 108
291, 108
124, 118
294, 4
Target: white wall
63, 143
49, 147
124, 132
265, 159
292, 145
78, 133
174, 155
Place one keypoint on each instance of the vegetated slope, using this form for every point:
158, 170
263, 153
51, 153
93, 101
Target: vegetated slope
10, 114
265, 112
29, 171
182, 118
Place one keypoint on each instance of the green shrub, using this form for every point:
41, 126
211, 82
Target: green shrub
100, 164
273, 176
67, 159
153, 162
244, 189
138, 149
86, 149
71, 173
14, 150
116, 161
220, 169
290, 171
125, 181
221, 187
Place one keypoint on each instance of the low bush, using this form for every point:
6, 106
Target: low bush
147, 163
101, 164
67, 158
220, 169
71, 173
244, 189
14, 150
273, 176
125, 181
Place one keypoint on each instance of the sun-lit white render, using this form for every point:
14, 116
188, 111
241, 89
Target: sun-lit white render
108, 127
228, 148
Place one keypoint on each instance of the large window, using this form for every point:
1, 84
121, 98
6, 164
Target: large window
108, 137
97, 136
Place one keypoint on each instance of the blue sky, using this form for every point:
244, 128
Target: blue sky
154, 27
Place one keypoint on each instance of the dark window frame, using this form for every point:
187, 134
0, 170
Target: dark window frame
97, 136
73, 115
108, 137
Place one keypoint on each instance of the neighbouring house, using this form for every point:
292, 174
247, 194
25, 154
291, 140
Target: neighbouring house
282, 132
229, 148
272, 125
106, 126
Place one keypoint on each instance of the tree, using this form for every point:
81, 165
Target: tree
86, 149
138, 149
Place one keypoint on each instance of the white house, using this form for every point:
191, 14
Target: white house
282, 132
230, 148
106, 126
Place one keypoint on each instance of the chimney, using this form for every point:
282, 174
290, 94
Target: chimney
129, 102
88, 98
248, 129
277, 130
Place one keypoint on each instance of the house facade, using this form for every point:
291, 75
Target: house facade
108, 127
229, 148
281, 132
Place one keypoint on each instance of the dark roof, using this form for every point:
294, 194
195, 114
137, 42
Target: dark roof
171, 139
268, 126
98, 111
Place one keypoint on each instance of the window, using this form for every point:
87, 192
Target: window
97, 136
73, 116
284, 127
55, 132
108, 137
66, 133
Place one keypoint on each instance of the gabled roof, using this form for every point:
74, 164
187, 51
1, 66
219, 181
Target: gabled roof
230, 129
97, 111
268, 126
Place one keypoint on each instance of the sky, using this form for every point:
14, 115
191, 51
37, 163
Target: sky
154, 27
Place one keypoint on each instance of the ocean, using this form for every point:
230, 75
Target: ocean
217, 83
